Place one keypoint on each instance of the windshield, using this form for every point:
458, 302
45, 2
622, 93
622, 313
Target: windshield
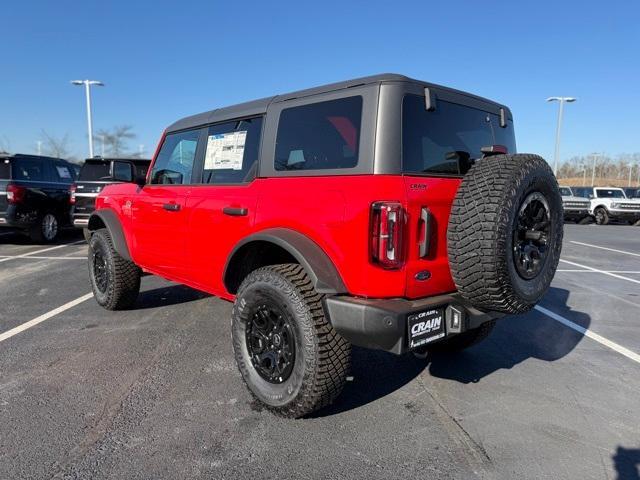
610, 193
448, 139
565, 192
5, 169
93, 171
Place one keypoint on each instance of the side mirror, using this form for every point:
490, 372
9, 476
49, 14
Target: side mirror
122, 171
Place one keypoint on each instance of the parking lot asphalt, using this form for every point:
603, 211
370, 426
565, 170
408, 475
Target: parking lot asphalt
153, 392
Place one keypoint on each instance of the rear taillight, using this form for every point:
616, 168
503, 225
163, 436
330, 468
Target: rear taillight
387, 234
15, 193
72, 194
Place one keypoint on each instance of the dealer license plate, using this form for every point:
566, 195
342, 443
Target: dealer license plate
425, 327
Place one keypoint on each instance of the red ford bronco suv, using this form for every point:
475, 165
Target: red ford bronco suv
383, 212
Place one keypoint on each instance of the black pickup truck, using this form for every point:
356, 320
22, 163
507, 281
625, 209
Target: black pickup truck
95, 174
34, 194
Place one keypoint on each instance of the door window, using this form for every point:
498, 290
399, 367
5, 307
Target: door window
231, 153
174, 164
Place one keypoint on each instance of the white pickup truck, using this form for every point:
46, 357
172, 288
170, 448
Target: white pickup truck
609, 203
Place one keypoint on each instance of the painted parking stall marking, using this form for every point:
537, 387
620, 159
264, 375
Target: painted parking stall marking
606, 248
588, 333
28, 254
45, 316
604, 272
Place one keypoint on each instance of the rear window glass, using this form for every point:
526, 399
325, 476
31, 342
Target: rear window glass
30, 169
447, 140
5, 169
94, 172
319, 136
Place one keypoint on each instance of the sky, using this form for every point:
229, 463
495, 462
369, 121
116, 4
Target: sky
161, 61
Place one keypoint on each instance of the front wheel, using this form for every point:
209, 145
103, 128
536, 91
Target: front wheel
115, 281
601, 215
289, 355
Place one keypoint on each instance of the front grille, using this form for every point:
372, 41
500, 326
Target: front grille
630, 206
576, 205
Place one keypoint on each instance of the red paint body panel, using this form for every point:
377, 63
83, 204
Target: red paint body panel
192, 245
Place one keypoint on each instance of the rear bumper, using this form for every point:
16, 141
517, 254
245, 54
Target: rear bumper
381, 324
80, 221
12, 218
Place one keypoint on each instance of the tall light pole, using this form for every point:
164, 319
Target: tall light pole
562, 101
87, 89
593, 172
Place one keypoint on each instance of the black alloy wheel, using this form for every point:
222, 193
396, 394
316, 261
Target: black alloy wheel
271, 343
531, 235
100, 270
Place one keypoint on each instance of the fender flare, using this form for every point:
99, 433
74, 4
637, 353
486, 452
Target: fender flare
324, 275
110, 220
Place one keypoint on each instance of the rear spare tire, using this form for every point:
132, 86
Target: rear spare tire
505, 232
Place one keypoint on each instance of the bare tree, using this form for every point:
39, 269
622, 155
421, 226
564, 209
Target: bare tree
56, 146
115, 141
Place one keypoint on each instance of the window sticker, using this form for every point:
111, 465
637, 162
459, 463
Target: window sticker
225, 151
63, 172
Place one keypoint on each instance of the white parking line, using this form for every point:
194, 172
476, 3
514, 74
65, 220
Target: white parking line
8, 257
43, 317
588, 333
595, 270
592, 271
28, 254
606, 248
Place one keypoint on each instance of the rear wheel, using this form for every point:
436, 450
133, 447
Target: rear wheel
115, 281
289, 355
601, 216
46, 228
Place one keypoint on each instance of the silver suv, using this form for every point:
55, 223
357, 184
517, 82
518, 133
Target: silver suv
576, 208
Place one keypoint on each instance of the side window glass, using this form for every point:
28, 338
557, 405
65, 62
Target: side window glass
231, 152
30, 169
122, 171
319, 136
63, 173
174, 164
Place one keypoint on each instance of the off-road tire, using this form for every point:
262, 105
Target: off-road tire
123, 276
322, 356
36, 232
601, 215
480, 238
86, 233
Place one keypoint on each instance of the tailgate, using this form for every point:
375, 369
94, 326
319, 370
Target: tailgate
86, 193
429, 202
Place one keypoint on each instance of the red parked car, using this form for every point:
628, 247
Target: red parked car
383, 212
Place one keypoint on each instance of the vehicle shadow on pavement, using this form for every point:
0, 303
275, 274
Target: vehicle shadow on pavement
627, 463
375, 375
168, 295
514, 340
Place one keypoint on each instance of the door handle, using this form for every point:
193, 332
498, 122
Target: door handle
235, 211
425, 241
171, 207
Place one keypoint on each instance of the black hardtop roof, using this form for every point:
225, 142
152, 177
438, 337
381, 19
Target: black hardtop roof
258, 107
27, 155
111, 159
